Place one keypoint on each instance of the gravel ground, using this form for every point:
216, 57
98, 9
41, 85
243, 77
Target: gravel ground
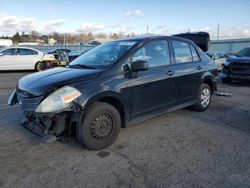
179, 149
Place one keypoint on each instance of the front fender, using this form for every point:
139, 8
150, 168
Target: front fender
101, 95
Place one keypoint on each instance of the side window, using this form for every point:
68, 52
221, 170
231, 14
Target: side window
27, 52
9, 51
182, 52
156, 53
194, 54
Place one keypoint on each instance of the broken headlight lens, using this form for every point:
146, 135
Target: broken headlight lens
58, 100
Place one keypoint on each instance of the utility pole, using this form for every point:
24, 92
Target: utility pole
147, 29
218, 31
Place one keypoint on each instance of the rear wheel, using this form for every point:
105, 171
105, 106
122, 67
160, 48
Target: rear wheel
226, 80
99, 127
203, 98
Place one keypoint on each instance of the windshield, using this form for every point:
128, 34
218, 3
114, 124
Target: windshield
103, 55
244, 53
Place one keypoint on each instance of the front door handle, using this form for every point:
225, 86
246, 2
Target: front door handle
170, 73
199, 67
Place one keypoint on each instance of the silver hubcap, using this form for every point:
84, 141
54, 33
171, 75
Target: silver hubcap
205, 97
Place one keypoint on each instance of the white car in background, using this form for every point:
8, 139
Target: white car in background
21, 58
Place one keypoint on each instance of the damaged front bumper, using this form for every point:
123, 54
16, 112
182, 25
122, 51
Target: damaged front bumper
49, 126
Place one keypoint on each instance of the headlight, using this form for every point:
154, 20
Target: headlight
58, 100
226, 62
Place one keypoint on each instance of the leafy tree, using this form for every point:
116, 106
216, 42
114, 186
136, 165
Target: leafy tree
16, 38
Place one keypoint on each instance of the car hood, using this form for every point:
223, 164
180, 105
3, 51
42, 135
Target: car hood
238, 59
39, 83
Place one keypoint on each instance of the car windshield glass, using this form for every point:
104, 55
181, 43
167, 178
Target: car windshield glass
103, 55
244, 53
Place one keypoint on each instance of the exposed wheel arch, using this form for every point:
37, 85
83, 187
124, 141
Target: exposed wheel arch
209, 81
112, 100
118, 105
37, 68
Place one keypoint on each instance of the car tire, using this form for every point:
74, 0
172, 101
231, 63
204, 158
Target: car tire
203, 98
37, 67
226, 80
99, 126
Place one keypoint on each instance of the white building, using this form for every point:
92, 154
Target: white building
5, 43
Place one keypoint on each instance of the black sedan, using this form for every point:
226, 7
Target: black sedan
115, 85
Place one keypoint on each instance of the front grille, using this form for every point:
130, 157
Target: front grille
240, 68
29, 104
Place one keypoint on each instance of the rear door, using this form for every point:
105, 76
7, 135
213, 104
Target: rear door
188, 70
154, 89
27, 58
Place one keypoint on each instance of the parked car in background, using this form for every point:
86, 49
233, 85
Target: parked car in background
21, 58
218, 57
201, 39
74, 54
56, 52
115, 85
95, 42
62, 61
237, 67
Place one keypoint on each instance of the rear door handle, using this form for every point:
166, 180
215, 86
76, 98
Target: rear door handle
170, 73
199, 67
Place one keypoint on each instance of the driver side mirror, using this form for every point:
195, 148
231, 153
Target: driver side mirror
139, 65
131, 70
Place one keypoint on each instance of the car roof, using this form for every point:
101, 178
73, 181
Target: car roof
215, 52
60, 49
145, 38
19, 47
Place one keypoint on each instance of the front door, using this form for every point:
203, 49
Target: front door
154, 89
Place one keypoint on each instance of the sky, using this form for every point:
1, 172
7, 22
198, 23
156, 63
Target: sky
126, 16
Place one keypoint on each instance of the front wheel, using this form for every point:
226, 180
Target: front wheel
99, 126
203, 98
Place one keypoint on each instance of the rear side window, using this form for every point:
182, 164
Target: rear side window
194, 54
182, 52
156, 53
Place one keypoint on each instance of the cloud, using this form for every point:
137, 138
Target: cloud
10, 24
124, 30
91, 27
163, 26
225, 33
235, 32
135, 13
52, 25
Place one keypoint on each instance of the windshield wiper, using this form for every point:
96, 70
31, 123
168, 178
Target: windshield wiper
81, 66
